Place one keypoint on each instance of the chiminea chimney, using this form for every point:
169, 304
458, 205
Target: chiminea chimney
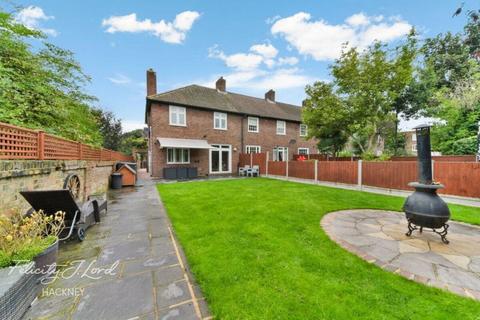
221, 84
270, 95
151, 82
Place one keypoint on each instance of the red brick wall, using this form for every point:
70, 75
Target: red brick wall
200, 126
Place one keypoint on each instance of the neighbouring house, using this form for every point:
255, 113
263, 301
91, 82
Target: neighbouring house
410, 142
201, 130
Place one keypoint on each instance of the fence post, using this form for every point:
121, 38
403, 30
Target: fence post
41, 145
316, 170
359, 172
80, 151
266, 165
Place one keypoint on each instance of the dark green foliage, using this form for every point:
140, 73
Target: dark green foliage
133, 139
110, 128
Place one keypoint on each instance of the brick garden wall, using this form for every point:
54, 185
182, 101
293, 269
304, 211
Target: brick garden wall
19, 175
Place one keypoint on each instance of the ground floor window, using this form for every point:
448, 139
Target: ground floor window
303, 151
253, 149
280, 154
178, 156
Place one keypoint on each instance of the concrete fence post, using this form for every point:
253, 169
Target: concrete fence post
41, 145
360, 173
266, 165
316, 170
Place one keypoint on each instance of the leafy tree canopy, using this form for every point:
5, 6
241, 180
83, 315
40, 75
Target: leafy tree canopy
43, 88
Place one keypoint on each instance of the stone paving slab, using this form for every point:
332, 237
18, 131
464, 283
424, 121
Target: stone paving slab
151, 279
379, 237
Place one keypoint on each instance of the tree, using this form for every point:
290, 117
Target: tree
110, 128
327, 117
367, 95
133, 139
43, 89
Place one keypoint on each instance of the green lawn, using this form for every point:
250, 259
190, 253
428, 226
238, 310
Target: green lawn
257, 250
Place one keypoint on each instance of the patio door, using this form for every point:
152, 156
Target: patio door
221, 158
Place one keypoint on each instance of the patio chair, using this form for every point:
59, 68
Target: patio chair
254, 171
242, 171
77, 217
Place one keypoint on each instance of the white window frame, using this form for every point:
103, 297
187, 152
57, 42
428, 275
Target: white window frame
248, 149
257, 120
176, 161
305, 129
284, 132
283, 150
305, 154
175, 111
220, 148
220, 116
414, 137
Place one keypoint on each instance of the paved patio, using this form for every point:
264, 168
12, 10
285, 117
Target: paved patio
379, 237
150, 280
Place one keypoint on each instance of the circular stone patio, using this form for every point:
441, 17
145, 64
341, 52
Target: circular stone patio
379, 237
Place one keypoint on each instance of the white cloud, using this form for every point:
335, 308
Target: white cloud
358, 19
266, 50
32, 16
288, 61
171, 32
130, 125
271, 20
120, 79
324, 41
239, 61
184, 21
258, 55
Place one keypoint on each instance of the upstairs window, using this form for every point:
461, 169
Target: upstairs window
177, 116
281, 127
253, 124
303, 151
253, 149
220, 120
178, 156
303, 130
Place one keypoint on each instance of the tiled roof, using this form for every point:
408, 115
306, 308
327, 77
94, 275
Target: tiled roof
208, 98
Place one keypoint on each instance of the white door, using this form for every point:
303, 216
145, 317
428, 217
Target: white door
221, 158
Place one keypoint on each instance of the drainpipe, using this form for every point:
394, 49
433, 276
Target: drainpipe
241, 135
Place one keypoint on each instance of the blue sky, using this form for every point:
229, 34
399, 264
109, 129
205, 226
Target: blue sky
255, 45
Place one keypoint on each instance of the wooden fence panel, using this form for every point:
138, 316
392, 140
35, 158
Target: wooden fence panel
338, 171
258, 159
459, 178
21, 143
277, 168
18, 143
301, 169
60, 149
389, 174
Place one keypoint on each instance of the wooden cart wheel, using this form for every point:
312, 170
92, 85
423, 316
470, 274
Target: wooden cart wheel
72, 183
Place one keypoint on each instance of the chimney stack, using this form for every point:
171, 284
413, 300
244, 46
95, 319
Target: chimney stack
270, 95
151, 82
221, 84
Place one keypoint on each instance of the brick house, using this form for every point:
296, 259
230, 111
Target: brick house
206, 129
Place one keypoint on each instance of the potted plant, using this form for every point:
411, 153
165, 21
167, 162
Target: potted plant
28, 251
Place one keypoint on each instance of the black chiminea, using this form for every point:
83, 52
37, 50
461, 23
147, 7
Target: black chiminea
424, 208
